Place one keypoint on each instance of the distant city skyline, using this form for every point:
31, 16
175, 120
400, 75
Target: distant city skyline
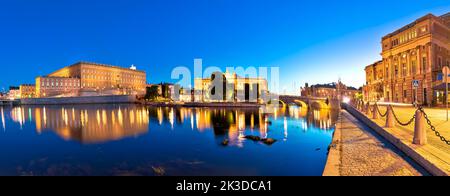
310, 42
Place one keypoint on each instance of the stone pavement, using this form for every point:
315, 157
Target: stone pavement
359, 151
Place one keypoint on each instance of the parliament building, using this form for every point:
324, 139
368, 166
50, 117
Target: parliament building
229, 87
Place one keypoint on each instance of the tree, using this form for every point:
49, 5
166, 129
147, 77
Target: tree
152, 92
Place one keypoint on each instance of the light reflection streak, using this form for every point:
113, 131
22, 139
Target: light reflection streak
3, 119
192, 122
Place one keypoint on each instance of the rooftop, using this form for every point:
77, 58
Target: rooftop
56, 77
332, 86
373, 64
406, 27
105, 65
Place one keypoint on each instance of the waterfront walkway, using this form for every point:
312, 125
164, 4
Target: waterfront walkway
358, 151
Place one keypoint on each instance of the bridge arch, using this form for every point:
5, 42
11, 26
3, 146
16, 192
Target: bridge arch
318, 104
301, 103
281, 102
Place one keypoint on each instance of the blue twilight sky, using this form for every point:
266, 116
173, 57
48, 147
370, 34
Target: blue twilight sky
311, 41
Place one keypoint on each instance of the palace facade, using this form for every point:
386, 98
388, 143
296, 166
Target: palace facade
415, 52
90, 79
374, 88
57, 87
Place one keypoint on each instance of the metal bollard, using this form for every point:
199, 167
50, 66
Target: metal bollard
390, 121
368, 110
420, 133
375, 114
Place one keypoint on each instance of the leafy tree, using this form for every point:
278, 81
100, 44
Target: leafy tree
152, 93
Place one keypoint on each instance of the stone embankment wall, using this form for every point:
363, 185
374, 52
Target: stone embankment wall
80, 100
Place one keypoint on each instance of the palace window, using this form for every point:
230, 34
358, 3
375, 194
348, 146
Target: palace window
387, 71
424, 64
413, 67
396, 71
403, 69
423, 29
439, 64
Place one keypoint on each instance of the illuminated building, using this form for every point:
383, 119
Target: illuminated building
230, 88
91, 79
57, 87
332, 90
373, 90
14, 92
27, 90
417, 51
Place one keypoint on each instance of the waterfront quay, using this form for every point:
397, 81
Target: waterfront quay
435, 151
407, 128
357, 150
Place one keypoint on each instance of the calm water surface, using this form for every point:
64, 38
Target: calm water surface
138, 140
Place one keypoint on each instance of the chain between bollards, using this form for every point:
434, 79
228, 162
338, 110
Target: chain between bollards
379, 112
398, 120
437, 133
391, 118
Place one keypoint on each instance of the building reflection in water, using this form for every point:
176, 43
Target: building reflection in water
88, 125
233, 124
97, 124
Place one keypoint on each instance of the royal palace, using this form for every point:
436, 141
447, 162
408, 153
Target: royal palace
91, 79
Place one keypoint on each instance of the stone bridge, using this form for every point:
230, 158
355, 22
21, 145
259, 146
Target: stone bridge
313, 102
